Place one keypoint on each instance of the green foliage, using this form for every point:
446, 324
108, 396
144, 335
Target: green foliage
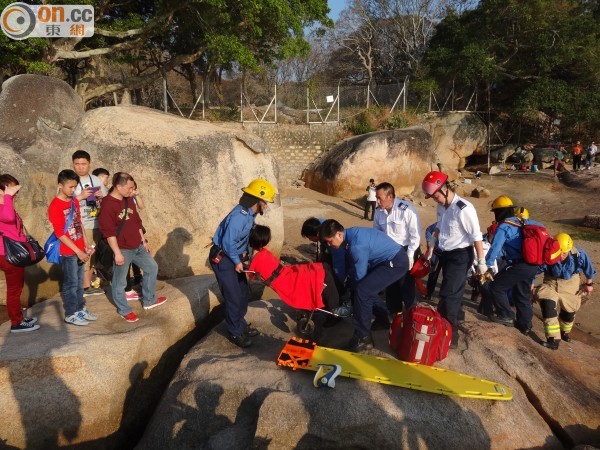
231, 114
397, 121
362, 123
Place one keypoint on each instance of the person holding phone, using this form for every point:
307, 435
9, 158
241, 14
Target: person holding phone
89, 191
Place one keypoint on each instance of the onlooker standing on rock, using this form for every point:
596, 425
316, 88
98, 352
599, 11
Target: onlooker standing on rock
590, 153
576, 151
561, 291
128, 244
371, 200
559, 156
11, 226
373, 261
90, 190
399, 220
456, 233
103, 174
230, 249
75, 251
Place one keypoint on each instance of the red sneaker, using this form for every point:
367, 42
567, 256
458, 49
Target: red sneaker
159, 301
131, 317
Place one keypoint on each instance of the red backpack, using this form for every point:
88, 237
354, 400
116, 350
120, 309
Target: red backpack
538, 246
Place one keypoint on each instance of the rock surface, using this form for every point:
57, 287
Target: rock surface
34, 104
456, 136
64, 384
225, 397
401, 157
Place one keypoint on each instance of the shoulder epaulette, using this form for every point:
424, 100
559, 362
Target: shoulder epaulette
461, 204
403, 206
244, 212
515, 223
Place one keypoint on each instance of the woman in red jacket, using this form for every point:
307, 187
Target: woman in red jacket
303, 286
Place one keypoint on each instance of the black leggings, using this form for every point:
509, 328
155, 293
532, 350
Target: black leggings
330, 295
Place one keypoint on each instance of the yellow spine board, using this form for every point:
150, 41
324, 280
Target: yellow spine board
305, 354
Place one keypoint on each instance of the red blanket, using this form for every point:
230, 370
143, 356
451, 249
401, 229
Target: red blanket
300, 285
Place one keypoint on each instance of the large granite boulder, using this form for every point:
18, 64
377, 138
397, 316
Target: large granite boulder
31, 105
401, 157
455, 137
225, 397
99, 384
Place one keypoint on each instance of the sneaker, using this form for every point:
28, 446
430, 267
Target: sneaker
344, 310
159, 301
358, 345
132, 295
76, 319
24, 327
87, 315
565, 336
92, 291
131, 317
242, 341
551, 343
30, 320
250, 331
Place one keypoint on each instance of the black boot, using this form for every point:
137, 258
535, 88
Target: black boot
565, 336
551, 343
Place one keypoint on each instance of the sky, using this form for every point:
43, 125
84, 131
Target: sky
336, 6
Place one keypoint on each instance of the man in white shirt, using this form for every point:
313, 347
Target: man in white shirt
399, 220
371, 200
456, 234
89, 191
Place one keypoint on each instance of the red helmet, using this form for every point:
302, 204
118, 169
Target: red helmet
433, 182
420, 268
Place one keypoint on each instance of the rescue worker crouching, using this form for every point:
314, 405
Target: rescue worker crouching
560, 293
514, 273
230, 249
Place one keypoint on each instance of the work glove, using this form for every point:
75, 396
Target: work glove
481, 266
430, 246
411, 261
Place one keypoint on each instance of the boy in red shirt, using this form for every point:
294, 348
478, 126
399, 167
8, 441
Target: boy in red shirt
74, 248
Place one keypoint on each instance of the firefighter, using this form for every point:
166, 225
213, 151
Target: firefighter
230, 250
514, 273
456, 233
560, 293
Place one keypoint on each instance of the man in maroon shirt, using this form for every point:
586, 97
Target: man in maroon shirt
128, 245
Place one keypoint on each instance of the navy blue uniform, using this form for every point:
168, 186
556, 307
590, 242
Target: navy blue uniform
231, 238
373, 262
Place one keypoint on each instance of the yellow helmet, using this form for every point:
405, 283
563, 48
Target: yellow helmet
261, 189
502, 202
522, 213
565, 241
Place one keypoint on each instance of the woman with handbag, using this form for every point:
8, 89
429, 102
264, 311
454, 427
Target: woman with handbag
11, 226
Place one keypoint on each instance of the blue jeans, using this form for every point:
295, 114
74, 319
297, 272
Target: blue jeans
140, 257
72, 286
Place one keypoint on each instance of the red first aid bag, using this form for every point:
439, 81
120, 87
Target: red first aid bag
420, 335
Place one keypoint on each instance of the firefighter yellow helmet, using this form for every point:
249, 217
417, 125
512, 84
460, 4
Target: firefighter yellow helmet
522, 213
565, 242
261, 189
502, 202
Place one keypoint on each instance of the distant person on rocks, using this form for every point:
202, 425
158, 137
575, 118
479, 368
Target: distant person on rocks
103, 174
75, 250
371, 200
559, 295
400, 221
228, 253
559, 156
11, 226
590, 154
374, 262
130, 246
577, 151
89, 192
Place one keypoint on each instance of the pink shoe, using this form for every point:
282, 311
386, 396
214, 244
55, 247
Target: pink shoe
159, 301
131, 317
132, 295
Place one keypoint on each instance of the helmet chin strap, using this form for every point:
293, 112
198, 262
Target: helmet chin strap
445, 194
